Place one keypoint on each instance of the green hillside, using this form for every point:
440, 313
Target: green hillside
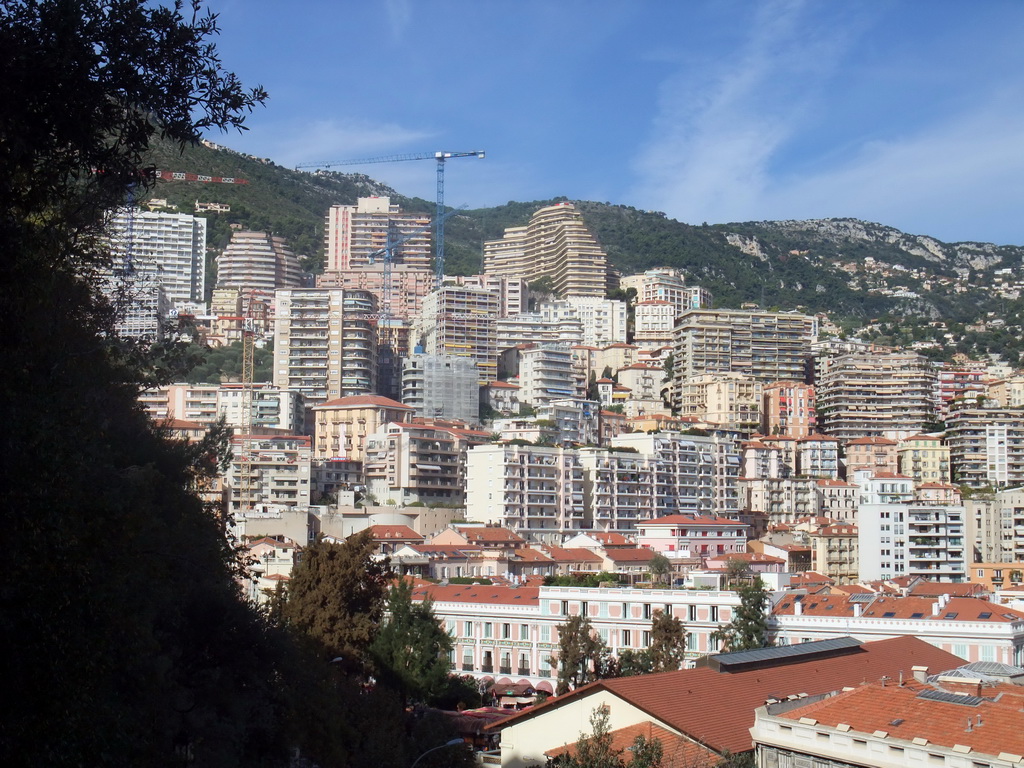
816, 266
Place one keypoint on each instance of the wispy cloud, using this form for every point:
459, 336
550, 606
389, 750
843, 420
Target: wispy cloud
331, 140
399, 17
955, 180
727, 134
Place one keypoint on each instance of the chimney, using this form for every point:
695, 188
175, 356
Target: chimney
936, 607
920, 674
856, 609
798, 608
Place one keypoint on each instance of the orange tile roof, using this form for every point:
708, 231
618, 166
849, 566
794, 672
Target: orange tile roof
489, 534
627, 555
573, 555
379, 532
717, 708
871, 441
478, 594
838, 530
363, 401
526, 554
903, 714
887, 607
677, 751
936, 588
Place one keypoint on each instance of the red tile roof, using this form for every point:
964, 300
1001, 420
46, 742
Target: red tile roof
717, 708
903, 714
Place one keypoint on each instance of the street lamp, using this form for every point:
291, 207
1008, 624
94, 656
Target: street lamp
450, 743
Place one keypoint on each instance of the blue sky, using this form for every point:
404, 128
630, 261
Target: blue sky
907, 112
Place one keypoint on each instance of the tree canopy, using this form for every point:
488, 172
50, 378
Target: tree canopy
582, 656
337, 595
410, 652
748, 628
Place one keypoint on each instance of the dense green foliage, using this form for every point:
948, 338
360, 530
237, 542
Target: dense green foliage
336, 596
217, 364
410, 651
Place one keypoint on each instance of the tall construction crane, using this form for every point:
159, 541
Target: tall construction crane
441, 158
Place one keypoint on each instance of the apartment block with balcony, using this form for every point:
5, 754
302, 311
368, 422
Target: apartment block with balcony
415, 463
257, 261
696, 475
654, 324
924, 458
767, 346
835, 552
789, 408
986, 446
325, 343
555, 245
876, 395
667, 285
619, 489
898, 539
271, 407
279, 471
167, 248
535, 491
343, 425
545, 374
730, 400
355, 236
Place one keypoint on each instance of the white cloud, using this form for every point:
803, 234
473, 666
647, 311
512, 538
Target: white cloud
399, 16
291, 143
725, 130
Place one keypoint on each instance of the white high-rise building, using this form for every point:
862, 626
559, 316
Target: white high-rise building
325, 345
167, 249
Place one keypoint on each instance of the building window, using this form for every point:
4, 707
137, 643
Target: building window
488, 629
692, 613
524, 631
506, 631
626, 638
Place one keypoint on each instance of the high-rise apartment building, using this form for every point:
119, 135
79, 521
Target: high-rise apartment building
912, 539
730, 400
460, 321
865, 395
986, 446
169, 249
325, 345
555, 245
767, 346
257, 261
535, 491
356, 235
545, 374
444, 387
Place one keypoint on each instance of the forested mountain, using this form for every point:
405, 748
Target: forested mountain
857, 271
